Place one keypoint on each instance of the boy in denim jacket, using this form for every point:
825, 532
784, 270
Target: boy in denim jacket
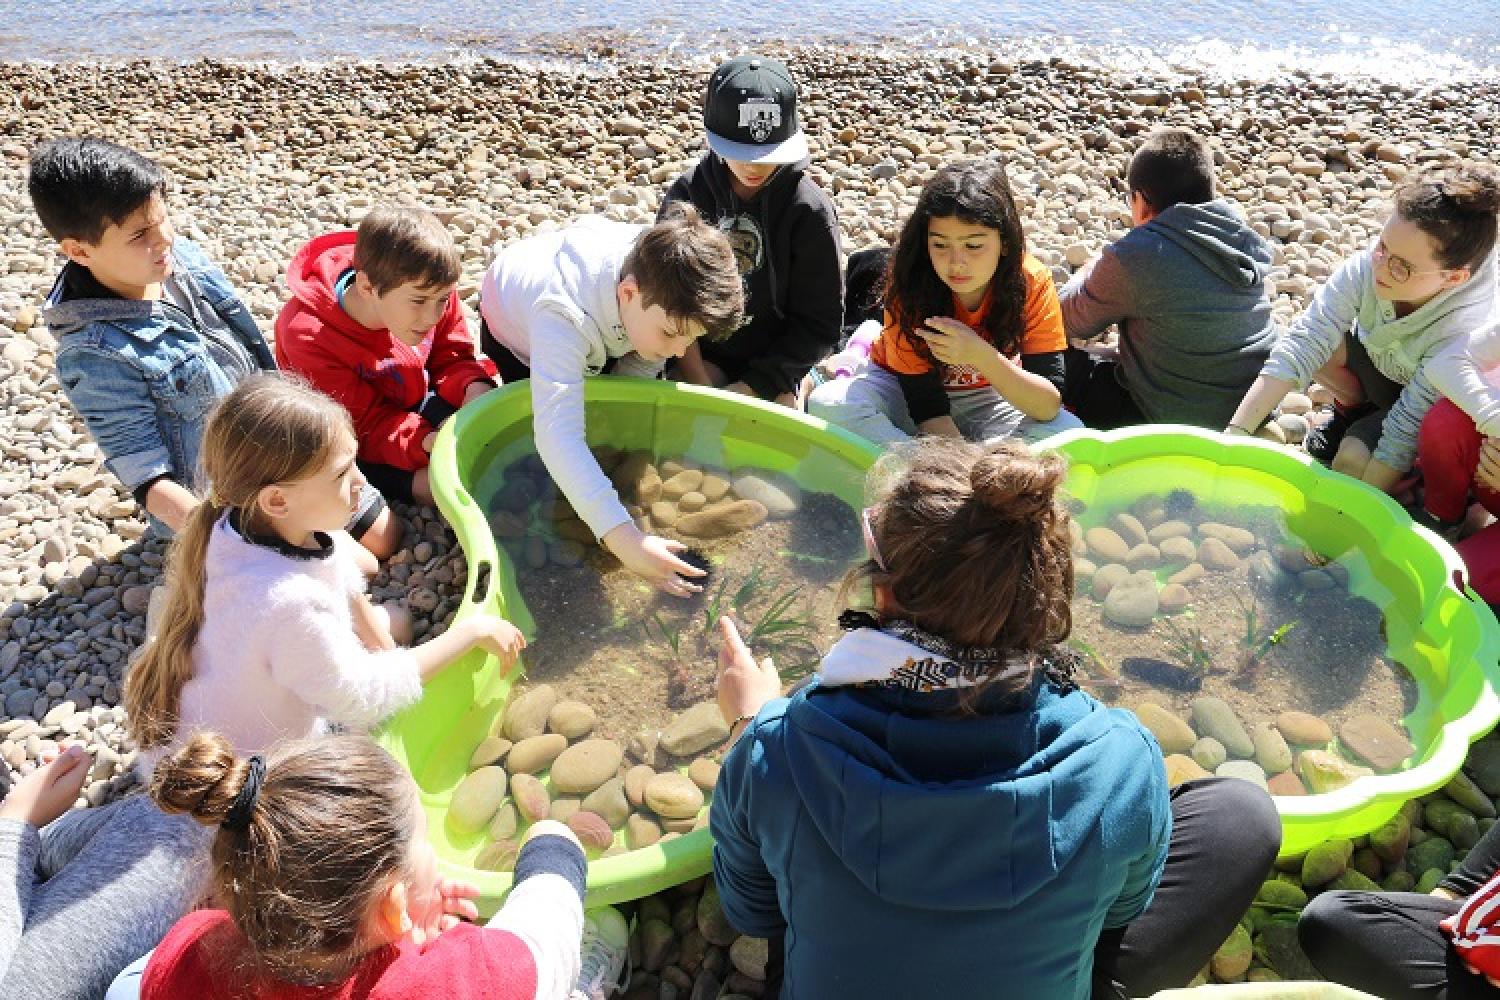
150, 334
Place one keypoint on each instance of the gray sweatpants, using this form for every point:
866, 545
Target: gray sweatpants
91, 892
870, 404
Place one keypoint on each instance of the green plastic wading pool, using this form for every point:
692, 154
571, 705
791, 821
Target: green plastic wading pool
435, 737
1445, 636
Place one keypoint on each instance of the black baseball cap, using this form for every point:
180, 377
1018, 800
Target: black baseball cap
750, 112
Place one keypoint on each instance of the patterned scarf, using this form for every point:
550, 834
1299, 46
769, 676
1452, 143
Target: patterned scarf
897, 654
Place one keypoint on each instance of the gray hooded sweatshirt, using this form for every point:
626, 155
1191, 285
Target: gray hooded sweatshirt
1438, 349
1188, 289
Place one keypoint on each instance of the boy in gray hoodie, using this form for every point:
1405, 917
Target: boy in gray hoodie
1187, 287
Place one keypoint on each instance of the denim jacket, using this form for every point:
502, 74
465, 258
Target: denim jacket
143, 375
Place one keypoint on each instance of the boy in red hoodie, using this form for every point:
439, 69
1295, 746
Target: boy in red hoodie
375, 323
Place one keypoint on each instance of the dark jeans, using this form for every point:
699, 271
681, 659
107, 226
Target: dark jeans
1225, 834
1379, 391
1390, 944
395, 483
1093, 391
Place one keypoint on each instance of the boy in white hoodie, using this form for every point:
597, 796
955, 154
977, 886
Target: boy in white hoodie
603, 297
1389, 332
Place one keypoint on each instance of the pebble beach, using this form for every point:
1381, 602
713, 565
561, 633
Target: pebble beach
265, 157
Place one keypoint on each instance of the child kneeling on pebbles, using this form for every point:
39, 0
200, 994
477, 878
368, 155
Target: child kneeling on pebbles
375, 323
973, 340
328, 887
944, 786
1389, 332
267, 633
149, 332
606, 297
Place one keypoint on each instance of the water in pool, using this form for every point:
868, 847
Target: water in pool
615, 729
1243, 649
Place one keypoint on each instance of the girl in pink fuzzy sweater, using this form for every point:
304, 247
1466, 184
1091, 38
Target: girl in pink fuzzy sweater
267, 633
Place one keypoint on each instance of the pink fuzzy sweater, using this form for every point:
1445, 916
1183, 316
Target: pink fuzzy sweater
277, 657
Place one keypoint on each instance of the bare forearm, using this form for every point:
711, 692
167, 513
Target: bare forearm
170, 503
1381, 476
1263, 397
1030, 393
434, 655
940, 427
368, 625
691, 367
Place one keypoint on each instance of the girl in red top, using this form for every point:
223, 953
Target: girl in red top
330, 890
973, 340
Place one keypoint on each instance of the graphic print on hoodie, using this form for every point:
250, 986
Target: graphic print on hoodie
1188, 289
379, 379
786, 241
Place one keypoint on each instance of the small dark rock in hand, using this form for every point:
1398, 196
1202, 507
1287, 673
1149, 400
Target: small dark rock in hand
697, 560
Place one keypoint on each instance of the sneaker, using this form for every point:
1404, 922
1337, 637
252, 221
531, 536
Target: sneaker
606, 941
1322, 443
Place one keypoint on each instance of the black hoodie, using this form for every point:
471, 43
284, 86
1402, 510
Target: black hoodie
787, 243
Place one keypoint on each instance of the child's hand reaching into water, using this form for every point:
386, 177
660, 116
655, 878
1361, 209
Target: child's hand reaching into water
49, 791
653, 558
744, 686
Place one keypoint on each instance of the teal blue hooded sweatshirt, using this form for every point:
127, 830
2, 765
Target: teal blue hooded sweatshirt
911, 851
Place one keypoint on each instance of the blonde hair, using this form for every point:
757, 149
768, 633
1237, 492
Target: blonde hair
272, 428
328, 826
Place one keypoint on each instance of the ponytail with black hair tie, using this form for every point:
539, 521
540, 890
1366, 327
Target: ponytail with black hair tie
242, 809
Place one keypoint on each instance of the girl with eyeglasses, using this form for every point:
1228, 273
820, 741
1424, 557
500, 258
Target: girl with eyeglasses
942, 811
1389, 332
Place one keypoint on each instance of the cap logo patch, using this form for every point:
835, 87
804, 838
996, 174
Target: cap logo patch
761, 115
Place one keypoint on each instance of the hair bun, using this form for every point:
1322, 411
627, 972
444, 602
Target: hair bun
1473, 187
1015, 484
202, 779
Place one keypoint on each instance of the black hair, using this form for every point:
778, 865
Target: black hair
977, 192
81, 187
1172, 166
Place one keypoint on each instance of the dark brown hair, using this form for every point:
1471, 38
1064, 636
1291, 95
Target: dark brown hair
271, 428
1172, 166
976, 544
330, 829
689, 269
397, 243
978, 192
1456, 207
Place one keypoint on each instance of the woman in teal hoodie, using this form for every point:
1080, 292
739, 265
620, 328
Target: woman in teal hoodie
943, 813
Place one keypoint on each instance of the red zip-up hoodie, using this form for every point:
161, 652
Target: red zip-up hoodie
379, 380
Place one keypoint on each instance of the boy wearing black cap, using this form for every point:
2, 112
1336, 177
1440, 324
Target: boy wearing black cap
752, 185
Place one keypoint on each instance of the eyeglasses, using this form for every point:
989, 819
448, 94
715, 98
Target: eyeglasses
870, 545
1397, 267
